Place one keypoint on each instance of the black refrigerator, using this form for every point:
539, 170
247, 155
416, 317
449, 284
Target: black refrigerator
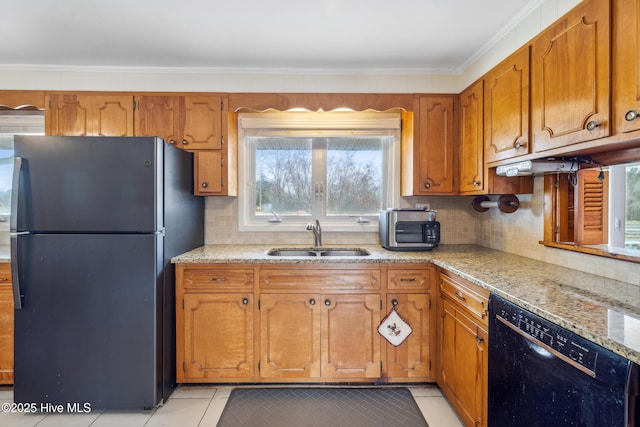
94, 224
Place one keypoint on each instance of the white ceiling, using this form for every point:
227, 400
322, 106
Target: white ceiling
382, 36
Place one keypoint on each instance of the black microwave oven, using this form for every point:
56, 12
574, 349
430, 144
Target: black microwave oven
409, 229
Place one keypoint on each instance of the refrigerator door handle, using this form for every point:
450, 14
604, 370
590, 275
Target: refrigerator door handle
15, 187
15, 275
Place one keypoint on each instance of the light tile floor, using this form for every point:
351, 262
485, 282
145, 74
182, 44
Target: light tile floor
196, 406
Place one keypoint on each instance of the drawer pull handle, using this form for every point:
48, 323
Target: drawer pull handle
218, 279
245, 301
408, 279
4, 279
459, 295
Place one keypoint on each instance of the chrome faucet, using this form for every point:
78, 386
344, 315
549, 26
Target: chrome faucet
317, 233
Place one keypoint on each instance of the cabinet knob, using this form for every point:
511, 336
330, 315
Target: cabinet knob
427, 185
312, 301
518, 144
394, 302
592, 125
631, 115
479, 340
245, 301
172, 142
475, 183
185, 142
327, 302
204, 184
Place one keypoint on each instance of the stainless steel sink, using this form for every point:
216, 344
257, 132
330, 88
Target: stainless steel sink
318, 252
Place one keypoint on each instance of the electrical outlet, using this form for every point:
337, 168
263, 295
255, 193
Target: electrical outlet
424, 206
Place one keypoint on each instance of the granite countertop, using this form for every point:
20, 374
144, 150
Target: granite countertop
601, 310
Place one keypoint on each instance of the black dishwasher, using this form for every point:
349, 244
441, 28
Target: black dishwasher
543, 375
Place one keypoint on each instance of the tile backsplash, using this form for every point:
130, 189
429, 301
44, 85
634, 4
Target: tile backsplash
517, 233
454, 214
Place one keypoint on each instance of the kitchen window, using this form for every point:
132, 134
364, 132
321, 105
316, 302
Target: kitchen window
337, 167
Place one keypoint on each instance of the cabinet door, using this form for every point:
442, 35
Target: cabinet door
218, 337
471, 139
201, 121
411, 360
506, 108
463, 364
6, 326
626, 67
350, 341
209, 172
570, 64
89, 115
112, 115
158, 116
68, 115
434, 153
290, 336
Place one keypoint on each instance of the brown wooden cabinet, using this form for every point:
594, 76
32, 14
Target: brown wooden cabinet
570, 93
22, 99
409, 292
88, 114
472, 139
506, 108
324, 327
626, 68
214, 323
430, 160
462, 339
6, 325
190, 122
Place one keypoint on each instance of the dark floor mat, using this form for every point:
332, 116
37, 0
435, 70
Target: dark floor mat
315, 407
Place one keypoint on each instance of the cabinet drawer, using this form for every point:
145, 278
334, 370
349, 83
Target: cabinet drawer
222, 277
409, 278
345, 276
471, 297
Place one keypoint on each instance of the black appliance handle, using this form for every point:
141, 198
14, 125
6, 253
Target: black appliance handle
15, 271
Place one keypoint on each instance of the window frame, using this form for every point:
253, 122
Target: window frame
317, 124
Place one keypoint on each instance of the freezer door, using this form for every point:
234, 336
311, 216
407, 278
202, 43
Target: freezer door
89, 184
90, 327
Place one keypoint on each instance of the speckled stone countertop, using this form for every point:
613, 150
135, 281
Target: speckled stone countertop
602, 310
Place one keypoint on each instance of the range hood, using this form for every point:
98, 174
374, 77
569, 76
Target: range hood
535, 167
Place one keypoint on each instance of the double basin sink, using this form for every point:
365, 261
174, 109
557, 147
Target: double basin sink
318, 252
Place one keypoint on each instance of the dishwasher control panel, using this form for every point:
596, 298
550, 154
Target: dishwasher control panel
551, 337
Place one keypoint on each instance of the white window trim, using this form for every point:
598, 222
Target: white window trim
321, 124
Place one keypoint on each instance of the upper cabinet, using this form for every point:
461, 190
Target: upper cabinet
570, 63
471, 139
190, 122
506, 108
428, 158
88, 114
626, 68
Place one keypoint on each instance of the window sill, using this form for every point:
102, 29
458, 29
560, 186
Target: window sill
607, 251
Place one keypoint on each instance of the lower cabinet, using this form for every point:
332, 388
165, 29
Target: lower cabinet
462, 340
214, 323
302, 322
408, 291
319, 336
6, 325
